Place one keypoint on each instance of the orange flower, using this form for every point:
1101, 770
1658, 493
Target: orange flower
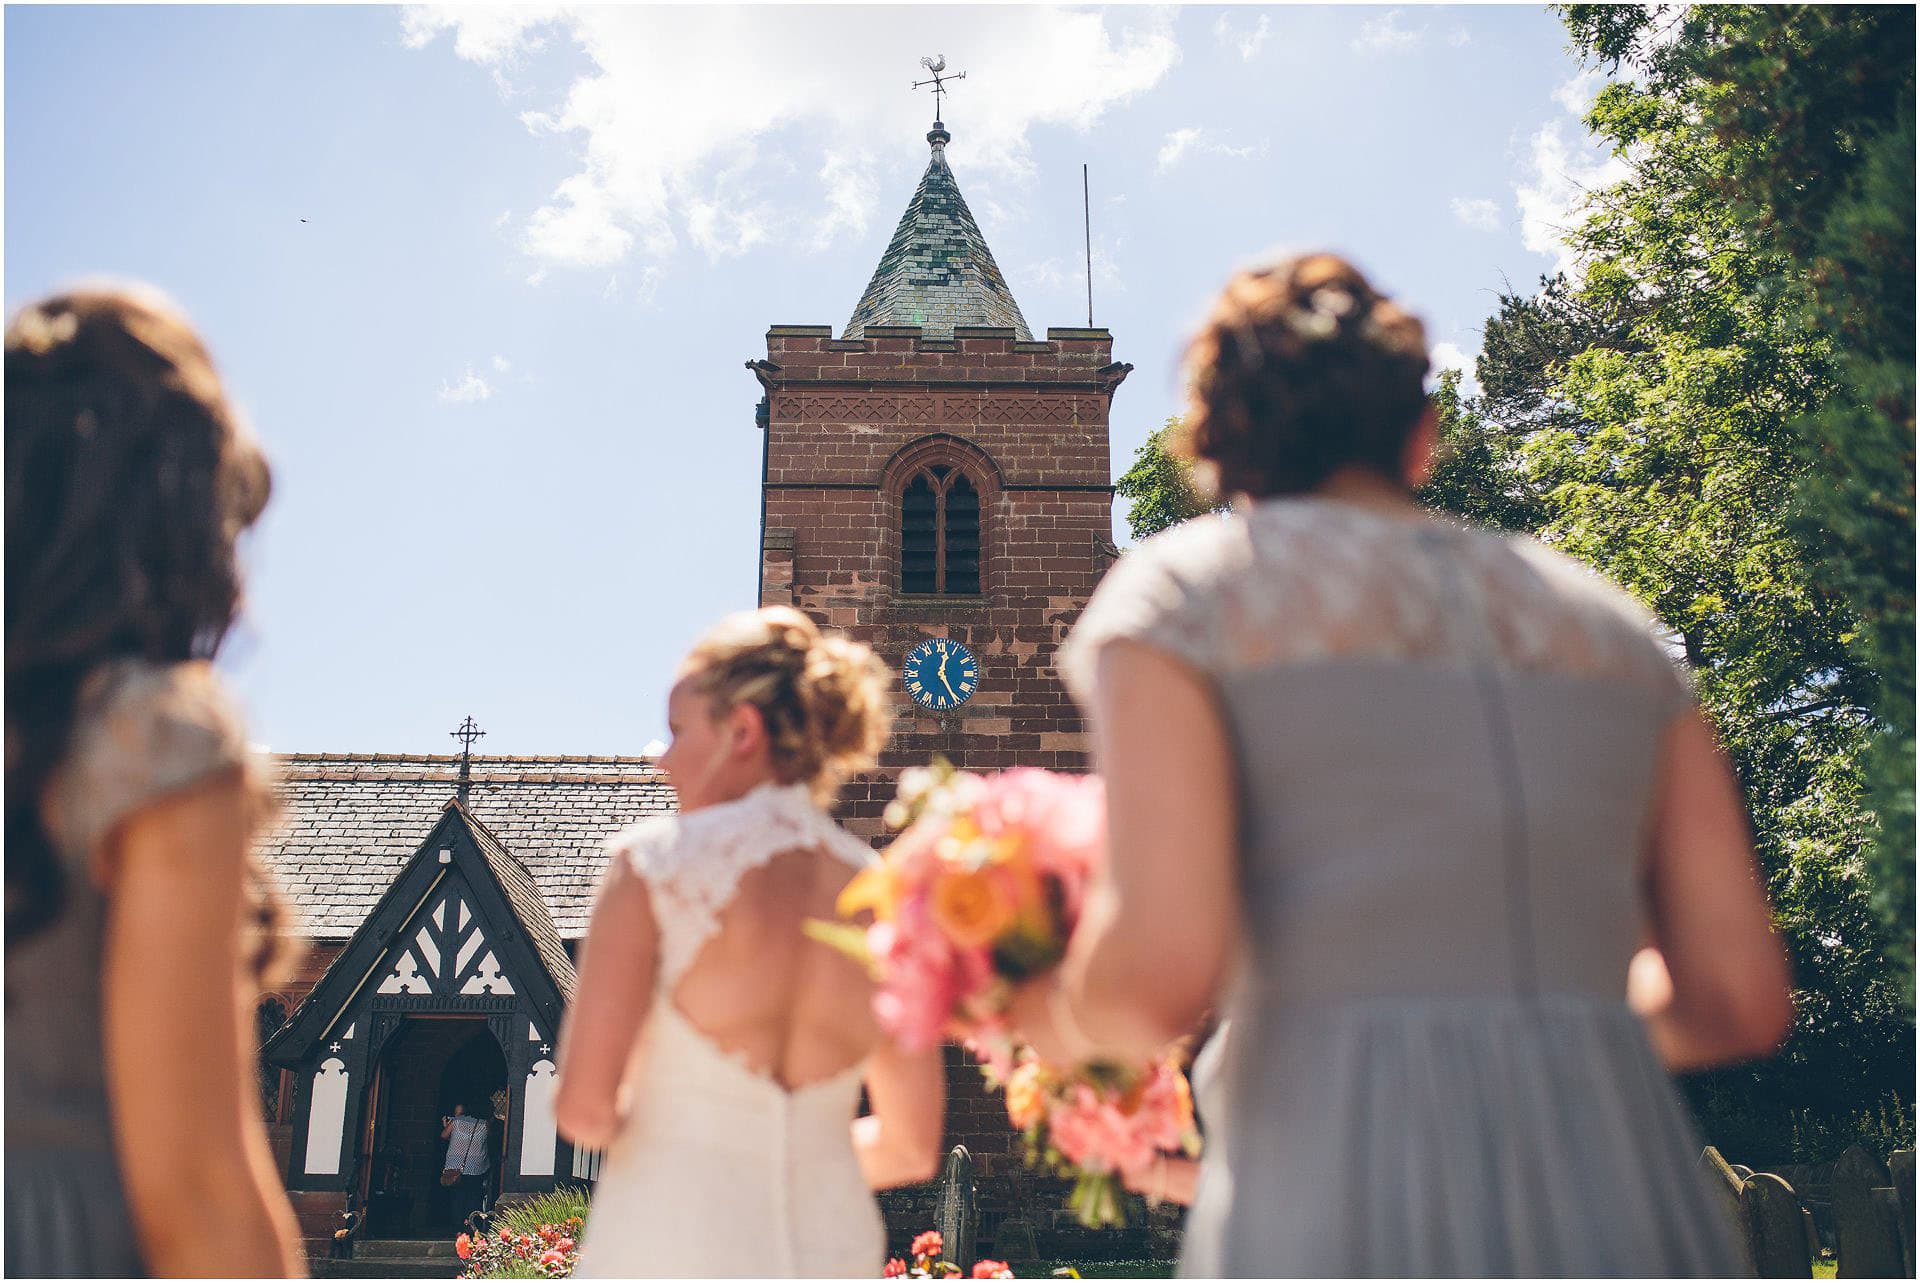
971, 907
463, 1248
929, 1243
1026, 1095
1183, 1100
871, 888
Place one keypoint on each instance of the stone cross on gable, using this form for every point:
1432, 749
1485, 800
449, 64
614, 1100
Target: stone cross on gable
467, 733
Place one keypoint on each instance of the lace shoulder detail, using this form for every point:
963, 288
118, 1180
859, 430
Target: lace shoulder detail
1164, 593
141, 732
693, 863
1301, 580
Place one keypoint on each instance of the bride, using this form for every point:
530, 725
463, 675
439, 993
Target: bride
713, 1051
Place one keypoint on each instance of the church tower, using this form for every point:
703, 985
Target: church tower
936, 483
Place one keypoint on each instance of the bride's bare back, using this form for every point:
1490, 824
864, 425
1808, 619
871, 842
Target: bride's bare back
764, 993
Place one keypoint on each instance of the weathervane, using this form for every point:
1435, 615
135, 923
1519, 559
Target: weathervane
467, 734
936, 65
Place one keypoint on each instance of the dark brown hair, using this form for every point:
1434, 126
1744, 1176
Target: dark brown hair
1302, 369
128, 483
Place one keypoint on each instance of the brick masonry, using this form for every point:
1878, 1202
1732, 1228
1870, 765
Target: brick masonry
848, 422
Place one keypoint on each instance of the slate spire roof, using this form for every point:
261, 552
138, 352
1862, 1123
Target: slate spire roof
937, 272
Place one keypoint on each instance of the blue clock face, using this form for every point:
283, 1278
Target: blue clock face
941, 674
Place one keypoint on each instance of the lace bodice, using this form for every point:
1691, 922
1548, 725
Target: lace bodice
693, 863
719, 1170
1306, 579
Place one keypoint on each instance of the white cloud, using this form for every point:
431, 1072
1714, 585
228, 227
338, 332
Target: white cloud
469, 389
852, 191
1247, 40
666, 114
501, 364
1480, 214
1459, 38
653, 748
1182, 141
1577, 94
1384, 34
1451, 356
1562, 165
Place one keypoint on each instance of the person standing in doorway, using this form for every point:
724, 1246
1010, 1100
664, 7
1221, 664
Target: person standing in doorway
466, 1137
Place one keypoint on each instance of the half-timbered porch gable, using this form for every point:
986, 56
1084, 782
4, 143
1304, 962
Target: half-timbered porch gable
462, 934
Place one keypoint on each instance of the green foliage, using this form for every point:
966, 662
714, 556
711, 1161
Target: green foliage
1477, 472
1719, 414
1159, 485
551, 1207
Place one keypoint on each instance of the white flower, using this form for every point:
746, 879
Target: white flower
1312, 325
1331, 302
36, 332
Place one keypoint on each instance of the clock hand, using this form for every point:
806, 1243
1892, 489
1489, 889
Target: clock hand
949, 685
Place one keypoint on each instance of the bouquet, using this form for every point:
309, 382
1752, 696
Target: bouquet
1098, 1121
981, 890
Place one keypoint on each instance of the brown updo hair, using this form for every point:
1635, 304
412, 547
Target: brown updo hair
1302, 369
822, 698
129, 480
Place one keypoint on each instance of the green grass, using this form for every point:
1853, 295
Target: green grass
551, 1208
1825, 1269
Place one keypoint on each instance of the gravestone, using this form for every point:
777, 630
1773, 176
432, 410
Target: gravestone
1724, 1187
957, 1213
1016, 1241
1864, 1218
1900, 1168
1776, 1228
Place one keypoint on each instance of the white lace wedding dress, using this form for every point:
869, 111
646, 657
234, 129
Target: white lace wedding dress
718, 1170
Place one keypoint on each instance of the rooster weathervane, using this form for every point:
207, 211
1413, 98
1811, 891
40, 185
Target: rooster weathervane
935, 65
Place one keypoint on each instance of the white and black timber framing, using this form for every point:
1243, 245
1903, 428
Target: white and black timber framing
462, 930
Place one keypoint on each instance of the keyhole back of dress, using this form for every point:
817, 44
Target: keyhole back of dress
789, 1009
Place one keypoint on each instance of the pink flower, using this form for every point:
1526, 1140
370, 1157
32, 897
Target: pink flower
565, 1244
895, 1268
553, 1256
991, 1270
463, 1248
929, 1243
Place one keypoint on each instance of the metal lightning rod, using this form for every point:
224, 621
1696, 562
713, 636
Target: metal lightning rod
1086, 213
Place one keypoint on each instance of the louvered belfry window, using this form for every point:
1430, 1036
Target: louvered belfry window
940, 533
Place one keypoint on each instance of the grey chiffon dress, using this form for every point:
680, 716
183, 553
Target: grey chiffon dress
141, 732
1446, 743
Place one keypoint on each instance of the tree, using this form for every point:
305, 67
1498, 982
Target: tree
1477, 472
1158, 486
1718, 414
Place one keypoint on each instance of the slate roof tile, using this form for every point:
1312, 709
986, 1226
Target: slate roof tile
937, 272
349, 821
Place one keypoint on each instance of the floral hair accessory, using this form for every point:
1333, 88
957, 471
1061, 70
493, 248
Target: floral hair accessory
36, 332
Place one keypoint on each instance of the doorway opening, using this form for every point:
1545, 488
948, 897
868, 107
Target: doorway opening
429, 1065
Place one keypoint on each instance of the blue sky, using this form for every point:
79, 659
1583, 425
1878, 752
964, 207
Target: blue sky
499, 368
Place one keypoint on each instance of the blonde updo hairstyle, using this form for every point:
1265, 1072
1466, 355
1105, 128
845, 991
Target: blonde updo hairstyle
1302, 369
822, 698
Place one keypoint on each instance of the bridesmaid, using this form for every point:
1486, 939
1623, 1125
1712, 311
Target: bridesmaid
1430, 788
138, 929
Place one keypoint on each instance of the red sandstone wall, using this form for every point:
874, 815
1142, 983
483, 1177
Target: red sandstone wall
847, 420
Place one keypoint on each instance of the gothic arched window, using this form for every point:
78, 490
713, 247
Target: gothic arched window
940, 533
